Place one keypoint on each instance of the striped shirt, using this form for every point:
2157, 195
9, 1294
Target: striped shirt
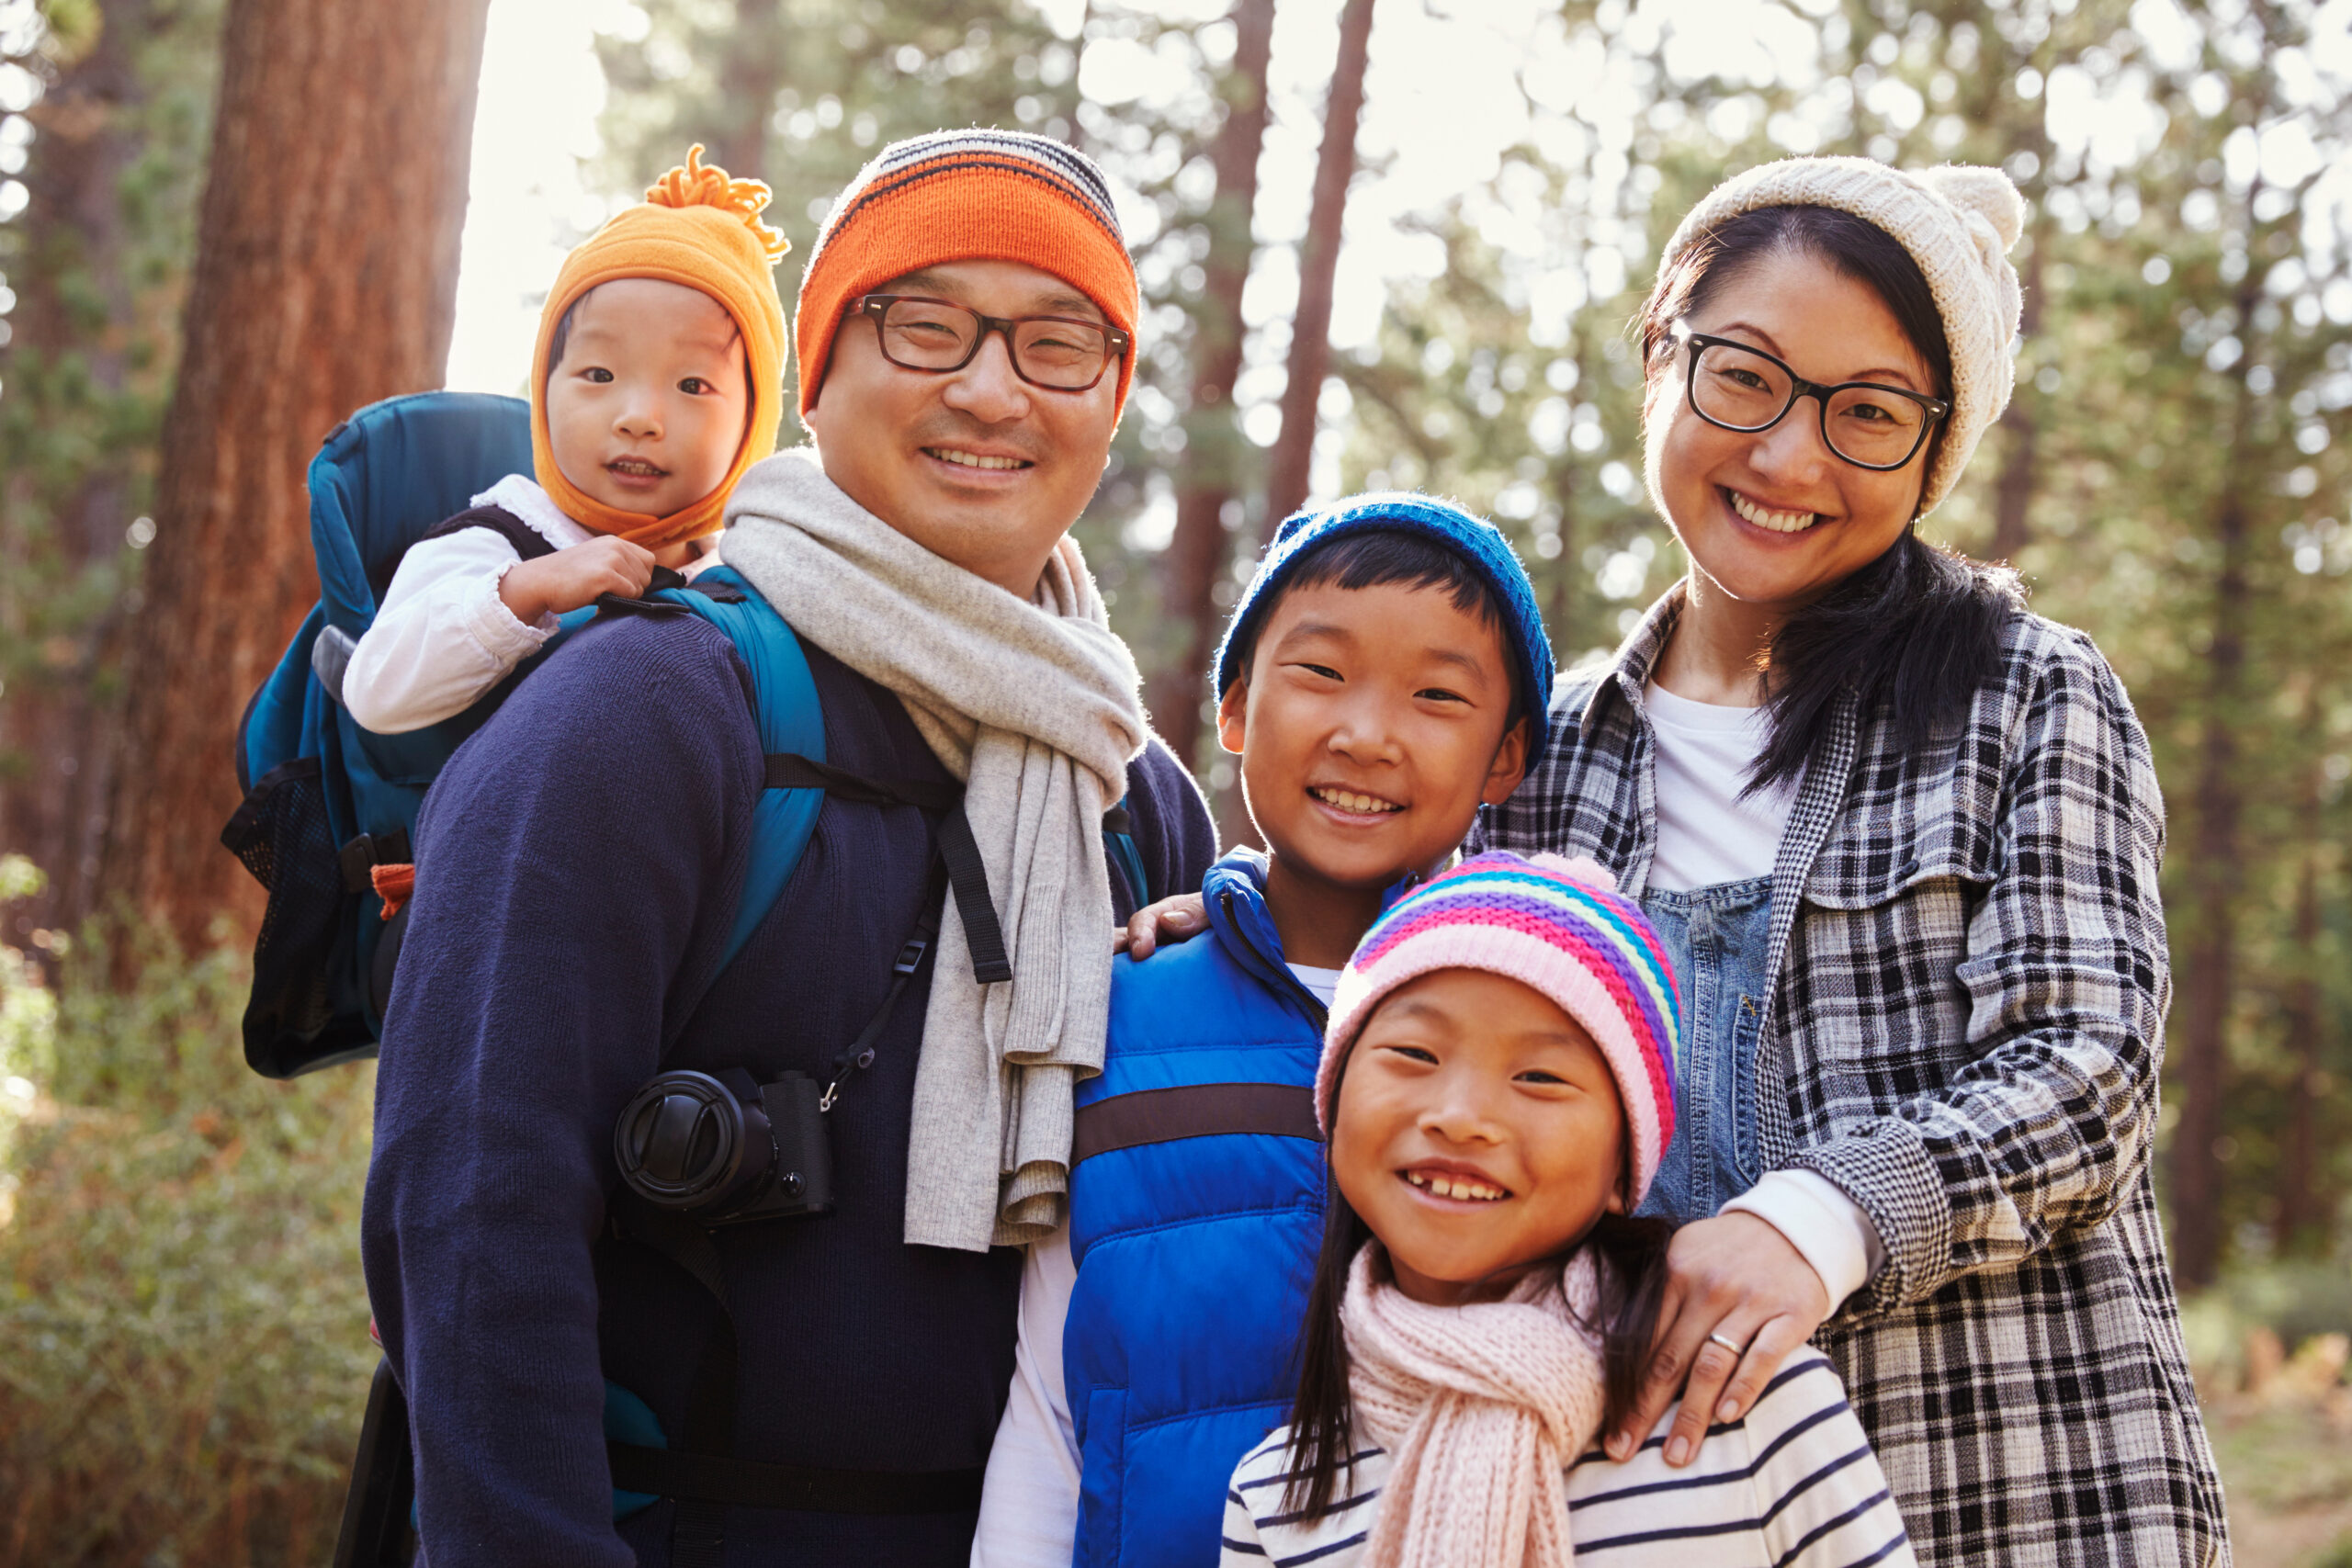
1792, 1485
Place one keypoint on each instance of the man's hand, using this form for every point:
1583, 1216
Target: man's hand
1733, 1277
570, 579
1180, 919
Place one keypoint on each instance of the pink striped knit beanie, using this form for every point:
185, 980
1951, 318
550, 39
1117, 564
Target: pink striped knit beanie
1554, 924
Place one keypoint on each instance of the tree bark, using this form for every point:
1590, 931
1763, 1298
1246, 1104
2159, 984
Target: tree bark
54, 727
326, 278
1199, 552
2020, 473
1290, 470
2302, 1206
2200, 1063
750, 77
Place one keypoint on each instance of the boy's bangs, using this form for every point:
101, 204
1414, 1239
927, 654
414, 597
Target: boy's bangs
1394, 557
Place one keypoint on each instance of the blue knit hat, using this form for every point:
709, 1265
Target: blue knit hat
1442, 524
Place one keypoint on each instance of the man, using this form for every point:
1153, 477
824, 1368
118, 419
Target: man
964, 340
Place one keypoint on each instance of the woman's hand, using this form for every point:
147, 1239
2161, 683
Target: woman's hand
1180, 919
1737, 1277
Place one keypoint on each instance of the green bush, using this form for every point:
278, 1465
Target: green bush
2293, 1299
181, 1307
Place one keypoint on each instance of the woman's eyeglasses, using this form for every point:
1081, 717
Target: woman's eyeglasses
1734, 386
1064, 353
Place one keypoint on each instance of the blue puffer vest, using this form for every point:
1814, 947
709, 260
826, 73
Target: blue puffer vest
1196, 1210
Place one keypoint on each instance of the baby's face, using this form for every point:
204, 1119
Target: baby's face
1479, 1130
646, 408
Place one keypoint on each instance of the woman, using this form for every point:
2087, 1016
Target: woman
1902, 838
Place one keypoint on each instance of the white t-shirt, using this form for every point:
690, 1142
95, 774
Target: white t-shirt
1321, 983
1708, 835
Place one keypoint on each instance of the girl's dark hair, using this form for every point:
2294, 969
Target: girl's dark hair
1917, 633
1628, 1254
1384, 557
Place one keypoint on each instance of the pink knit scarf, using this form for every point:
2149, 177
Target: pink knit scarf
1481, 1408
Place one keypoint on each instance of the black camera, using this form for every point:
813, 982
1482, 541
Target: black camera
725, 1150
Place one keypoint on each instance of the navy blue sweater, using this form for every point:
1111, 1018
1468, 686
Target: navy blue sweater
577, 863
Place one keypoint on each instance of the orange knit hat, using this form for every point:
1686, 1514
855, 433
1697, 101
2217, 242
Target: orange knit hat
964, 196
697, 228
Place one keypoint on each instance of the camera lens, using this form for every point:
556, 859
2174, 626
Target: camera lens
680, 1141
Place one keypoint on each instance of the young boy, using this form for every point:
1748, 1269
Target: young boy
656, 383
1384, 674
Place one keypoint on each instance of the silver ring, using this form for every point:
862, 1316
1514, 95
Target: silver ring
1734, 1347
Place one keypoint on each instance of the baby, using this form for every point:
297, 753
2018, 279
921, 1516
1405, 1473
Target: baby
656, 383
1497, 1085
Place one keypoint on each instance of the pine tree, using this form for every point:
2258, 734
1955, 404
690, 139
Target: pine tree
324, 278
97, 262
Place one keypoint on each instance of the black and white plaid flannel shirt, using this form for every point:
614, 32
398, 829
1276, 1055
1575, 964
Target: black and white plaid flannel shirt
1966, 1018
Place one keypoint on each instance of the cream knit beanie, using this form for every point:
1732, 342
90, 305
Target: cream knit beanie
1957, 221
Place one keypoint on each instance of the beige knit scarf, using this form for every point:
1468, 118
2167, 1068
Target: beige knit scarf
1034, 707
1481, 1409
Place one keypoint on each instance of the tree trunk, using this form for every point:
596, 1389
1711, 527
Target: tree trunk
2302, 1207
75, 303
1292, 465
1198, 554
326, 278
749, 78
2201, 1061
2020, 475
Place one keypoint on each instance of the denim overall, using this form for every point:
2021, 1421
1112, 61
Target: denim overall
1717, 938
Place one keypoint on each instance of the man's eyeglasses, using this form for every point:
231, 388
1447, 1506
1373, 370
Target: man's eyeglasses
1064, 353
1734, 386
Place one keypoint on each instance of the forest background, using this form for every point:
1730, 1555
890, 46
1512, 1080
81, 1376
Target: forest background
1383, 243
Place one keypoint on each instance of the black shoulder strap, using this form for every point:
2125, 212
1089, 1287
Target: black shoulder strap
529, 542
967, 874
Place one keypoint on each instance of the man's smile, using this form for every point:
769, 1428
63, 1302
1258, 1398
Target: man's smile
964, 458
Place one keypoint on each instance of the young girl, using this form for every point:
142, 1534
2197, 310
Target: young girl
1496, 1085
657, 382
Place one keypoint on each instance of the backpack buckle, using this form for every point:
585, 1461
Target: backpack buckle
909, 956
358, 859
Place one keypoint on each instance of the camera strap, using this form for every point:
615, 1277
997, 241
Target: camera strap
859, 1053
702, 1476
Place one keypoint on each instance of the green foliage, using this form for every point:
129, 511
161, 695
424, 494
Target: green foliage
87, 352
179, 1276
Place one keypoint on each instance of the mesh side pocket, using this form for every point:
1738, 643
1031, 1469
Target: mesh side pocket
280, 833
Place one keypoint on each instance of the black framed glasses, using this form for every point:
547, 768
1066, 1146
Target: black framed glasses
1062, 354
1734, 386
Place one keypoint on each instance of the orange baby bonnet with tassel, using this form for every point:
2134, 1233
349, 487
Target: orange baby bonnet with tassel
698, 228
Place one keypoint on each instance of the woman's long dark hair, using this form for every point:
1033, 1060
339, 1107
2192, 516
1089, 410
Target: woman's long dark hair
1630, 1260
1917, 633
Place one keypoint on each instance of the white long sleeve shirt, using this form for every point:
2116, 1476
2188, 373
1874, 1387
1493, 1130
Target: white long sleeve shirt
443, 637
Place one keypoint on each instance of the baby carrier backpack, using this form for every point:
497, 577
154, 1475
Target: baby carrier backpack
330, 808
